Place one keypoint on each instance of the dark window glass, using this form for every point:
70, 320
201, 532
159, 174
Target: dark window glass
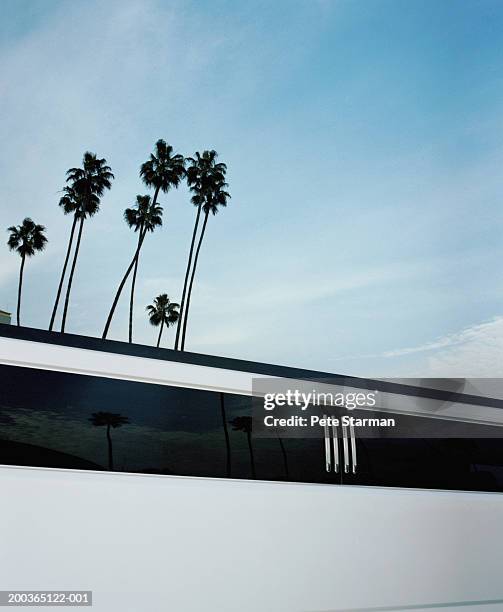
278, 458
473, 462
54, 419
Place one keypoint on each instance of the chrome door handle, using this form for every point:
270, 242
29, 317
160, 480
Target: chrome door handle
353, 447
335, 442
345, 448
328, 464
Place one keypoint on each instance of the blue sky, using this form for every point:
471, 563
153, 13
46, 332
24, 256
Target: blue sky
363, 141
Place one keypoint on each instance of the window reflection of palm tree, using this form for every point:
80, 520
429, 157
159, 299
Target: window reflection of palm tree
226, 433
244, 424
110, 420
285, 458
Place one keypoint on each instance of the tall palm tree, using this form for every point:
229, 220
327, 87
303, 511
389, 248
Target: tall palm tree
89, 184
214, 196
71, 202
26, 239
244, 424
144, 217
162, 312
109, 420
203, 170
162, 171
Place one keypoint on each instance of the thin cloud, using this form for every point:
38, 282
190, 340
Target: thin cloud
473, 352
490, 333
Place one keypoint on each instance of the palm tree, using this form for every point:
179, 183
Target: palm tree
89, 184
138, 218
144, 217
163, 169
162, 312
110, 420
26, 239
71, 202
202, 170
226, 434
244, 424
214, 196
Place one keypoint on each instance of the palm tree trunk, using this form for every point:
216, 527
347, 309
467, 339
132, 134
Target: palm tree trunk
285, 459
20, 288
121, 286
186, 318
61, 280
156, 194
226, 432
187, 272
160, 334
252, 460
131, 298
110, 454
72, 271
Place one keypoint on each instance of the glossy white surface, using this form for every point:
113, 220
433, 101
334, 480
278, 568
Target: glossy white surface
166, 543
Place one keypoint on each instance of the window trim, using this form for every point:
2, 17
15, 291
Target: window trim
35, 348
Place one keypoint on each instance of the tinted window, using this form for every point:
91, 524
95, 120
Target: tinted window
427, 459
54, 419
278, 458
66, 420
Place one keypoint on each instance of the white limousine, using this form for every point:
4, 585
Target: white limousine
136, 473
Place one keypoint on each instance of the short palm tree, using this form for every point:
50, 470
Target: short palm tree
71, 203
144, 217
214, 196
162, 312
244, 424
201, 171
109, 420
26, 239
88, 184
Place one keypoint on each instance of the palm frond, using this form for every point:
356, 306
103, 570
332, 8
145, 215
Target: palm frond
144, 215
206, 180
87, 185
112, 419
26, 239
163, 311
163, 170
